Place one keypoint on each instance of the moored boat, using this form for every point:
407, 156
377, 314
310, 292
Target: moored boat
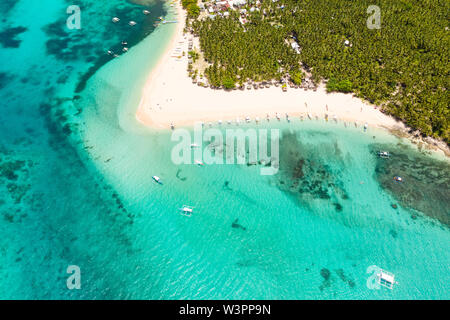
187, 210
157, 179
383, 154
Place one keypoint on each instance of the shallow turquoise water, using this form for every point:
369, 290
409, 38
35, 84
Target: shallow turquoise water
84, 196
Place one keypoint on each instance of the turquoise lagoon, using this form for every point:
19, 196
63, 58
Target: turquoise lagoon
76, 185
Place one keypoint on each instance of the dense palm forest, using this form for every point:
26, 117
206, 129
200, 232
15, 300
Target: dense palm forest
403, 66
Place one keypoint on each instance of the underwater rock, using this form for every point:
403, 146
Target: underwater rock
337, 206
326, 275
304, 174
236, 225
426, 180
343, 277
246, 263
8, 37
9, 169
178, 175
17, 191
5, 78
393, 233
7, 5
226, 186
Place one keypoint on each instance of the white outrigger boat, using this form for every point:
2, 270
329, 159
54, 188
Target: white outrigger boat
187, 210
157, 179
199, 163
384, 154
194, 145
386, 279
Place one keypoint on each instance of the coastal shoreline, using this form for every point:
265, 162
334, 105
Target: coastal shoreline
170, 98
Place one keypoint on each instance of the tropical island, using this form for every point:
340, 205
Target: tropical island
402, 67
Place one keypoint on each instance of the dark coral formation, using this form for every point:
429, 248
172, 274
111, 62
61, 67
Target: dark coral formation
236, 225
305, 173
179, 175
426, 181
326, 275
14, 174
5, 78
7, 5
343, 277
90, 45
8, 37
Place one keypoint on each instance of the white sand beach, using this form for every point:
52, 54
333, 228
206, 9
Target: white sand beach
169, 96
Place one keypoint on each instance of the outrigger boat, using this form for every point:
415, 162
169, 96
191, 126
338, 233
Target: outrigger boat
157, 179
386, 279
194, 145
398, 179
187, 210
383, 154
199, 163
